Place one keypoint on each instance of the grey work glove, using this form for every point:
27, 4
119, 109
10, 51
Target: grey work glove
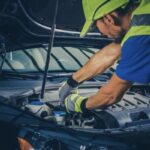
69, 87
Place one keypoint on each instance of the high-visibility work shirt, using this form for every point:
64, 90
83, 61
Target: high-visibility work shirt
134, 65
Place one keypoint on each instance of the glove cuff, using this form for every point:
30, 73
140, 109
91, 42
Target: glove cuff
83, 106
73, 83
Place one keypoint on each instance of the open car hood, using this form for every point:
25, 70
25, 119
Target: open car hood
101, 129
26, 22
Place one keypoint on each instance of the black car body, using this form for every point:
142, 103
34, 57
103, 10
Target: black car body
25, 29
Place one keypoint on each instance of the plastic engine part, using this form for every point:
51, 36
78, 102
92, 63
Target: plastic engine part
131, 110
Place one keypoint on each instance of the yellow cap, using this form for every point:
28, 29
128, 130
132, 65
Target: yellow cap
95, 9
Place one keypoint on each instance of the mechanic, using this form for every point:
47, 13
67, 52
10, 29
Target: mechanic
128, 21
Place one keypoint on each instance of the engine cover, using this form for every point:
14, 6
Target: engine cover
131, 110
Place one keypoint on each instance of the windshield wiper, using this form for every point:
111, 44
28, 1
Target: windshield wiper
59, 74
35, 76
20, 75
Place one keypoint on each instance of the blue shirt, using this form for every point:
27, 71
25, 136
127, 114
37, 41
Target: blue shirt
134, 65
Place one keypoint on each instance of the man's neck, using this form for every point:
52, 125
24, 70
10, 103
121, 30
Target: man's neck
127, 18
126, 22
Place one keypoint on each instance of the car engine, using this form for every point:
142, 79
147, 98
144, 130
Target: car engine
134, 108
40, 120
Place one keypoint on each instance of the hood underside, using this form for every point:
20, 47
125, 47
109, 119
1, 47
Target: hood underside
24, 22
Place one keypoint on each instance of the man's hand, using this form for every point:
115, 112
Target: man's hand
69, 87
66, 90
74, 103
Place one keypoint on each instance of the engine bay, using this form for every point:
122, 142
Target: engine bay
133, 109
40, 120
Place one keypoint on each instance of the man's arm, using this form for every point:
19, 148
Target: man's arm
108, 94
134, 66
98, 63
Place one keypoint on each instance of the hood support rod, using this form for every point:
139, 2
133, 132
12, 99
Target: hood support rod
50, 46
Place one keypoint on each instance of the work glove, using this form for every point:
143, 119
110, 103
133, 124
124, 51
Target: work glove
69, 87
75, 103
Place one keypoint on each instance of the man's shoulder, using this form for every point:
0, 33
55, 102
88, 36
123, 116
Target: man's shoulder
136, 32
135, 41
134, 64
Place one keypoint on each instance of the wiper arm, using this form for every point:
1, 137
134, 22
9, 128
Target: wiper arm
33, 75
59, 75
20, 75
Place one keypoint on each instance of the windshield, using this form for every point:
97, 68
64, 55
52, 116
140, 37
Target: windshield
63, 59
